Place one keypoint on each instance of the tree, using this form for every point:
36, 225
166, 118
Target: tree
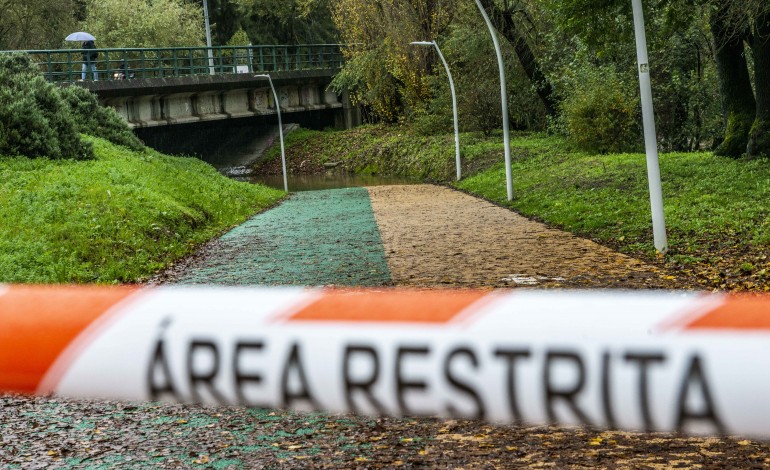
287, 21
37, 24
145, 23
738, 103
509, 17
381, 68
759, 136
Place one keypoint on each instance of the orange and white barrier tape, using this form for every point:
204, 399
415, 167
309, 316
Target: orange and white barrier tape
653, 361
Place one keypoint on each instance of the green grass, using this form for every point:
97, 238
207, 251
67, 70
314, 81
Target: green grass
118, 218
707, 199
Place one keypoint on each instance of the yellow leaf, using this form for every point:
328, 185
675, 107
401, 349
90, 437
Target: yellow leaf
595, 441
361, 459
743, 443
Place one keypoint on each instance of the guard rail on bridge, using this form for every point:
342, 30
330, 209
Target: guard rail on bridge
65, 65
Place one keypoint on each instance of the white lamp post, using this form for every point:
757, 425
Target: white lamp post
280, 129
208, 36
503, 94
454, 100
650, 138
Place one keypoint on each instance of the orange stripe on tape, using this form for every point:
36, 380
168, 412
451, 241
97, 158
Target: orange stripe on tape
37, 323
394, 306
737, 313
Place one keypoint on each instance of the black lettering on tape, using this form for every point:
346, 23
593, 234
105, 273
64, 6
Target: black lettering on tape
242, 379
696, 378
511, 356
609, 416
464, 387
159, 380
364, 386
567, 394
644, 360
199, 377
403, 385
289, 397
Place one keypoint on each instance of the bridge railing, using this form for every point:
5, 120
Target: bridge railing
66, 65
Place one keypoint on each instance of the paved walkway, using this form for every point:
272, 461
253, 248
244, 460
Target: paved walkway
407, 235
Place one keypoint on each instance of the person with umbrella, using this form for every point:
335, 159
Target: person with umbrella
89, 59
89, 52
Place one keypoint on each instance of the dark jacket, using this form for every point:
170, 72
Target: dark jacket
89, 55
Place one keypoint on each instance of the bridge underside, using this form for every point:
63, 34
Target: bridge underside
231, 143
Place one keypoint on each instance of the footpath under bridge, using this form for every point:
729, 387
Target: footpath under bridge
177, 85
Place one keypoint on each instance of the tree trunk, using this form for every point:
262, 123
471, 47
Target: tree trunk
527, 58
759, 137
738, 104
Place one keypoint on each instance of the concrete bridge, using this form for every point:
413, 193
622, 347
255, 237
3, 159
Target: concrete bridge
183, 85
151, 102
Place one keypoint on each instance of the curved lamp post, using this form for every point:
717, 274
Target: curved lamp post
208, 36
503, 94
650, 137
280, 129
454, 100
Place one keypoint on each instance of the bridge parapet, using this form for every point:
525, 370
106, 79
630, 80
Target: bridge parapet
65, 65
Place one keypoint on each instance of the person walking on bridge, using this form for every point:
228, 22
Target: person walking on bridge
89, 59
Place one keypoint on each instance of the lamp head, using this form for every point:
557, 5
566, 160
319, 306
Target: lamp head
422, 43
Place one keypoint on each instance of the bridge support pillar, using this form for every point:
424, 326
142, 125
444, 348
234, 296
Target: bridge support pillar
351, 113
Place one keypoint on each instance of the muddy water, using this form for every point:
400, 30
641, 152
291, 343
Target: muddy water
331, 180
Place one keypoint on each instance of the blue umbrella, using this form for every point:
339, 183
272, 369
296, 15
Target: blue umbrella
80, 36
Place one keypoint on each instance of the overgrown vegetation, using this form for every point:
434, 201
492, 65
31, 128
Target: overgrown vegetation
116, 218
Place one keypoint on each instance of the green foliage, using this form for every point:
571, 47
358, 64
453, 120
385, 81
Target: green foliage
240, 38
36, 24
285, 21
34, 118
599, 113
368, 80
99, 121
145, 23
117, 218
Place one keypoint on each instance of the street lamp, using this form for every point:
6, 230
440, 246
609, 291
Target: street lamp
280, 129
503, 94
208, 35
454, 100
650, 137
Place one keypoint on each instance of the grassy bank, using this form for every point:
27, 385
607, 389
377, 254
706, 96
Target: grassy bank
118, 218
717, 209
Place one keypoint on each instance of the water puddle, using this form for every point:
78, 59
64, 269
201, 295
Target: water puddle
331, 180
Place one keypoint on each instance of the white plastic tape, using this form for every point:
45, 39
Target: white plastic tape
649, 361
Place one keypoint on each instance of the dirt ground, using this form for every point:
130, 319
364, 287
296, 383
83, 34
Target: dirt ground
432, 237
435, 236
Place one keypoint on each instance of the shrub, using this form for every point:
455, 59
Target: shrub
600, 112
99, 121
35, 121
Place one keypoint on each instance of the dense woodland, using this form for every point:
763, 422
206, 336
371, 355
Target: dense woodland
571, 64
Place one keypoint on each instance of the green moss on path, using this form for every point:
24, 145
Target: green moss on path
315, 238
